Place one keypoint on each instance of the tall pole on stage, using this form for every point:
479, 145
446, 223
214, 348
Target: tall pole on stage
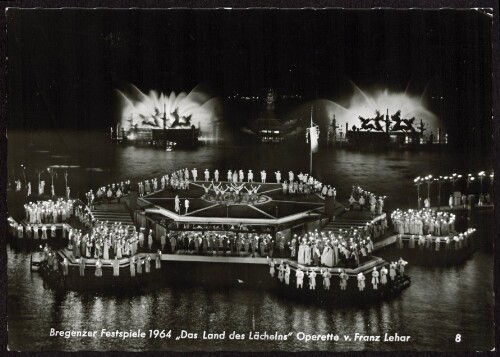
165, 125
310, 146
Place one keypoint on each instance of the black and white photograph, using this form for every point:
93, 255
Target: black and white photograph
250, 180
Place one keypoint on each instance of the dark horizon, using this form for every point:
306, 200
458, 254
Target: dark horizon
64, 66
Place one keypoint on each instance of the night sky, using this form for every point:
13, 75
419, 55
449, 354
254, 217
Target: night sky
64, 66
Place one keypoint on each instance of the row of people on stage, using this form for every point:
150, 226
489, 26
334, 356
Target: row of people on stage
210, 243
84, 215
114, 190
176, 181
306, 188
437, 243
378, 277
58, 211
109, 241
48, 230
180, 179
423, 222
231, 192
304, 184
365, 199
137, 265
50, 257
330, 250
36, 231
349, 247
239, 176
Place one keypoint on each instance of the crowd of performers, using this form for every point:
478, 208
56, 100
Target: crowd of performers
42, 216
423, 222
104, 242
437, 243
109, 192
49, 211
234, 189
109, 241
304, 185
231, 192
378, 277
350, 248
215, 243
43, 226
363, 199
137, 264
237, 188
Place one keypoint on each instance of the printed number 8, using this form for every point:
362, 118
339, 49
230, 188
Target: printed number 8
458, 338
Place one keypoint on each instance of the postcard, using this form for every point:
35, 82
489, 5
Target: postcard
225, 179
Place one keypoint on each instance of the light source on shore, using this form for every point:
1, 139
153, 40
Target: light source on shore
454, 178
428, 179
481, 177
440, 180
52, 173
470, 178
492, 176
39, 172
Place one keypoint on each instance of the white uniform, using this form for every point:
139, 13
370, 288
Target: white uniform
177, 204
300, 278
361, 281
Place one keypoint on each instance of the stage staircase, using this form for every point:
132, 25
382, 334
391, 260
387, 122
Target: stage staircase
112, 213
348, 219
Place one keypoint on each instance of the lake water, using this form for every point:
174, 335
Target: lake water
440, 303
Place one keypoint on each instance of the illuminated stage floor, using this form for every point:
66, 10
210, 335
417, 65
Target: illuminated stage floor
271, 204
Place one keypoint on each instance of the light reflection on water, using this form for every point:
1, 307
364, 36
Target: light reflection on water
440, 303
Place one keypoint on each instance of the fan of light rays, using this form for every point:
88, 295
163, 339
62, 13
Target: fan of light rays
141, 111
366, 104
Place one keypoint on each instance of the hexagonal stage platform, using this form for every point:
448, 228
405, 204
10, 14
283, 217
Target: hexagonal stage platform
272, 207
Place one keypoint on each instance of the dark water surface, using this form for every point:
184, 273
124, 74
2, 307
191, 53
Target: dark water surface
440, 303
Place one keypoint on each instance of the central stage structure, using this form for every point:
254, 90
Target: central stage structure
273, 212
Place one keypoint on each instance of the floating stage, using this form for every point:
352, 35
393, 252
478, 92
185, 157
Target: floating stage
58, 240
273, 212
334, 294
178, 269
271, 208
217, 271
432, 251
